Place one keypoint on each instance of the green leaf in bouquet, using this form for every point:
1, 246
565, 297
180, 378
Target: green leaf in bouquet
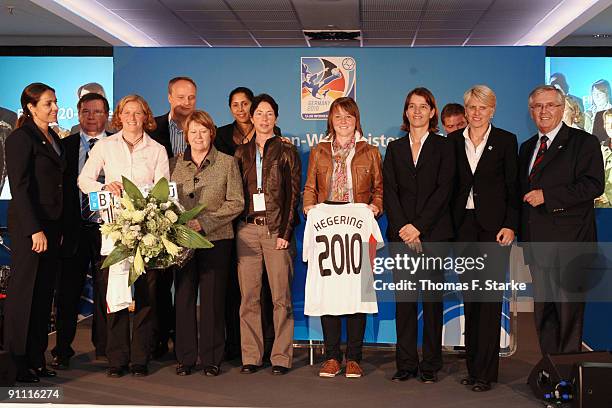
188, 238
161, 190
132, 191
117, 255
133, 276
191, 214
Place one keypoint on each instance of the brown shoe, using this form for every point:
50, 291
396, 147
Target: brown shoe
330, 368
353, 370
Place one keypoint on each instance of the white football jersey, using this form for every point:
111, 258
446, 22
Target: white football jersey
340, 242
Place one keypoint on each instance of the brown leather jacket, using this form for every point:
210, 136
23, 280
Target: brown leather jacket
281, 183
366, 171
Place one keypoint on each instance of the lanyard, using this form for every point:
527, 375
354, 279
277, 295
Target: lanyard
259, 166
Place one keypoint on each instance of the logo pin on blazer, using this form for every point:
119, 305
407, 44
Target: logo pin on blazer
490, 147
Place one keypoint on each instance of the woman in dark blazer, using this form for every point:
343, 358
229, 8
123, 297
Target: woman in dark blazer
418, 173
35, 165
485, 207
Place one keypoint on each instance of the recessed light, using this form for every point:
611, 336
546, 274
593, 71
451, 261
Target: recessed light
602, 35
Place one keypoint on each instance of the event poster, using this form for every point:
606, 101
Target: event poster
323, 80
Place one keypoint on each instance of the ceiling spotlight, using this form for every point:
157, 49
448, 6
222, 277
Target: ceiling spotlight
602, 35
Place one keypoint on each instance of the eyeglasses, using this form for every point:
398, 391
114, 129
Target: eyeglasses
96, 113
546, 106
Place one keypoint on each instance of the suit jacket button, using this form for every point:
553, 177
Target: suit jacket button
191, 195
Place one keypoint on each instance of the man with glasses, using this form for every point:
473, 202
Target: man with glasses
81, 236
561, 173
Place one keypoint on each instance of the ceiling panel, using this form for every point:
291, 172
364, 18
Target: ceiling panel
128, 4
191, 4
144, 14
387, 42
270, 25
465, 15
388, 25
443, 34
265, 15
447, 24
267, 42
260, 5
390, 15
205, 15
224, 34
156, 28
232, 43
388, 34
423, 42
459, 4
220, 25
374, 5
278, 34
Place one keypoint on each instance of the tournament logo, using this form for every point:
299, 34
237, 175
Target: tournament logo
323, 80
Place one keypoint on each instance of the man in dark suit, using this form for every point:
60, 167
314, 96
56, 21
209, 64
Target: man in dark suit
82, 239
182, 95
561, 173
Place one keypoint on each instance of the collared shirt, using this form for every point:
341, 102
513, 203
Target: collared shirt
473, 155
551, 136
177, 140
84, 146
423, 139
145, 165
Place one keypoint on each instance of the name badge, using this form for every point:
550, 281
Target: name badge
259, 202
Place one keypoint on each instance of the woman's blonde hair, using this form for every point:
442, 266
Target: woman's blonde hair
204, 119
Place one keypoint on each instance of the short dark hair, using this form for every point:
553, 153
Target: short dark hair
93, 97
430, 100
451, 109
180, 78
241, 89
263, 98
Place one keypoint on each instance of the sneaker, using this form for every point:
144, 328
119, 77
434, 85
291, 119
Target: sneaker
330, 368
353, 370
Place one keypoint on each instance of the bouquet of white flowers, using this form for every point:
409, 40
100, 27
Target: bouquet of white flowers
150, 232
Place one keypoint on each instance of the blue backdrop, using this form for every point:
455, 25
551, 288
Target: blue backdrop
384, 77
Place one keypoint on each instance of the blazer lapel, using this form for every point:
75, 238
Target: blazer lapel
488, 150
558, 144
528, 154
426, 151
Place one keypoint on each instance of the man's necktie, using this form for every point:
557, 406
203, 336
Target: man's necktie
539, 155
86, 213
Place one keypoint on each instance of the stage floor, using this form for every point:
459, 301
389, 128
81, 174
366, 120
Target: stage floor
86, 382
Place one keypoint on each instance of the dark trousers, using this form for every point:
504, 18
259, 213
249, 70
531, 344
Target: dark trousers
482, 310
406, 318
559, 322
120, 350
332, 332
70, 286
28, 306
232, 311
208, 271
165, 313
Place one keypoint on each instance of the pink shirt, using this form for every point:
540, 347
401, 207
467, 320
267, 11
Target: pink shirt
145, 165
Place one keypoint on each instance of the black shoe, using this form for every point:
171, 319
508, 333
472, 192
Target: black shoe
160, 350
27, 376
429, 377
183, 370
279, 370
211, 371
249, 369
468, 381
45, 372
115, 372
139, 370
402, 375
60, 363
481, 386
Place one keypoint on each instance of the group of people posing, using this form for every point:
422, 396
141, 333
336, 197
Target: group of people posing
473, 186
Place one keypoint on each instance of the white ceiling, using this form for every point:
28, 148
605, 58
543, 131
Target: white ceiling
264, 23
